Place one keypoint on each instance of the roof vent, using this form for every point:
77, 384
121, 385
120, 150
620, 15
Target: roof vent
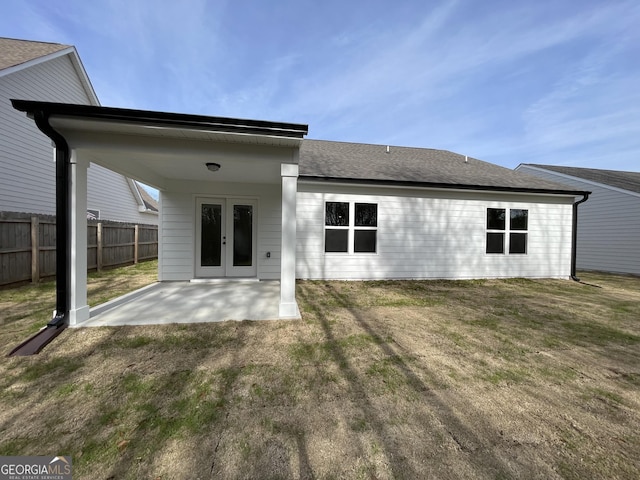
387, 148
466, 159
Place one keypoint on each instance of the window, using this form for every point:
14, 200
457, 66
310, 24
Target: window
336, 238
518, 225
346, 233
497, 230
495, 221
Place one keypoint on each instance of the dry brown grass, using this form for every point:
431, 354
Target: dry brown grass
437, 379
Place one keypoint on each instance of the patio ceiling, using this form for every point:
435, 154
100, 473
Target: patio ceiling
157, 155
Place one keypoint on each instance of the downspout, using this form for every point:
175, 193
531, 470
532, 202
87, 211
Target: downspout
63, 209
574, 236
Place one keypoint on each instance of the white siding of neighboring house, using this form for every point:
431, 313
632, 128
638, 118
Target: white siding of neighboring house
433, 234
27, 181
608, 225
112, 194
177, 231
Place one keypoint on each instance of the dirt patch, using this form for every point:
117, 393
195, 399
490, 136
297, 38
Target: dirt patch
478, 379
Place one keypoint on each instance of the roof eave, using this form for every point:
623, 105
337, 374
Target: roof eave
435, 185
153, 118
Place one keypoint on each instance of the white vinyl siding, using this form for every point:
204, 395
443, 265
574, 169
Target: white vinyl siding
608, 225
27, 183
433, 234
177, 235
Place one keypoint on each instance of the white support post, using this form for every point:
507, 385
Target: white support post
79, 308
288, 305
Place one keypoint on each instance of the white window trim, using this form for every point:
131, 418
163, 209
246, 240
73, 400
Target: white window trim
351, 228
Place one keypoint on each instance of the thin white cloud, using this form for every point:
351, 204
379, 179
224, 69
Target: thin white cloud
500, 80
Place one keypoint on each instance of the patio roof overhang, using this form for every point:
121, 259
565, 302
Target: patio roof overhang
157, 147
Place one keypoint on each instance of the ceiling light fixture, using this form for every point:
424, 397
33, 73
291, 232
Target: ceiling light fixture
214, 167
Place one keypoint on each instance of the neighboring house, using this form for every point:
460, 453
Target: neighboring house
609, 223
53, 72
253, 199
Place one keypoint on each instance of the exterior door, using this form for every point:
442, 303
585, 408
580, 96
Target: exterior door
226, 237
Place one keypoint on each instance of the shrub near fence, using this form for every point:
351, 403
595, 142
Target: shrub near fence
28, 245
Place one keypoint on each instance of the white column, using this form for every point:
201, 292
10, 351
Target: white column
288, 305
79, 308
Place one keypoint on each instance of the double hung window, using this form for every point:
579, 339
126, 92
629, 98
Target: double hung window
512, 232
350, 227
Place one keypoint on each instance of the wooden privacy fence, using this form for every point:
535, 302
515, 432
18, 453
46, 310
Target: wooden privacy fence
28, 246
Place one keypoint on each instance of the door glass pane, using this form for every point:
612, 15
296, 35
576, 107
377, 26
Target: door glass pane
211, 218
242, 235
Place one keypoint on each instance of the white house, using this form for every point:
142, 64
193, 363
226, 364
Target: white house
609, 226
53, 72
254, 199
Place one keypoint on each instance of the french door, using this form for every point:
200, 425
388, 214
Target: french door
226, 237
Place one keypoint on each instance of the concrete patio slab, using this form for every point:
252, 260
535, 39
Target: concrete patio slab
188, 302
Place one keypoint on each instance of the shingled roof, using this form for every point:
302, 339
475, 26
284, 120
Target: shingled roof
366, 163
150, 203
16, 52
614, 178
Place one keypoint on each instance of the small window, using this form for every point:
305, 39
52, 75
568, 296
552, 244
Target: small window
346, 233
336, 215
497, 232
366, 223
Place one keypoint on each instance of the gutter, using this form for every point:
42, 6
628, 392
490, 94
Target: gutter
574, 235
60, 320
166, 119
437, 185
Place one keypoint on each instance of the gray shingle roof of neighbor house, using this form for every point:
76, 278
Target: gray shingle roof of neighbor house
366, 163
149, 202
15, 52
614, 178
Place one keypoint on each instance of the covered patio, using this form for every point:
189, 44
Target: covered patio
190, 302
227, 211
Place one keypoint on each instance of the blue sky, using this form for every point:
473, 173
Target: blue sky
508, 82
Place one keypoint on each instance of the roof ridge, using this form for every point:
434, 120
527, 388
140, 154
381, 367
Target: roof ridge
404, 147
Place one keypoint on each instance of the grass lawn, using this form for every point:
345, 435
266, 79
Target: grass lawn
493, 379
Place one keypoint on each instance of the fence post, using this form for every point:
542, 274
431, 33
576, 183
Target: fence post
35, 249
136, 238
99, 247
